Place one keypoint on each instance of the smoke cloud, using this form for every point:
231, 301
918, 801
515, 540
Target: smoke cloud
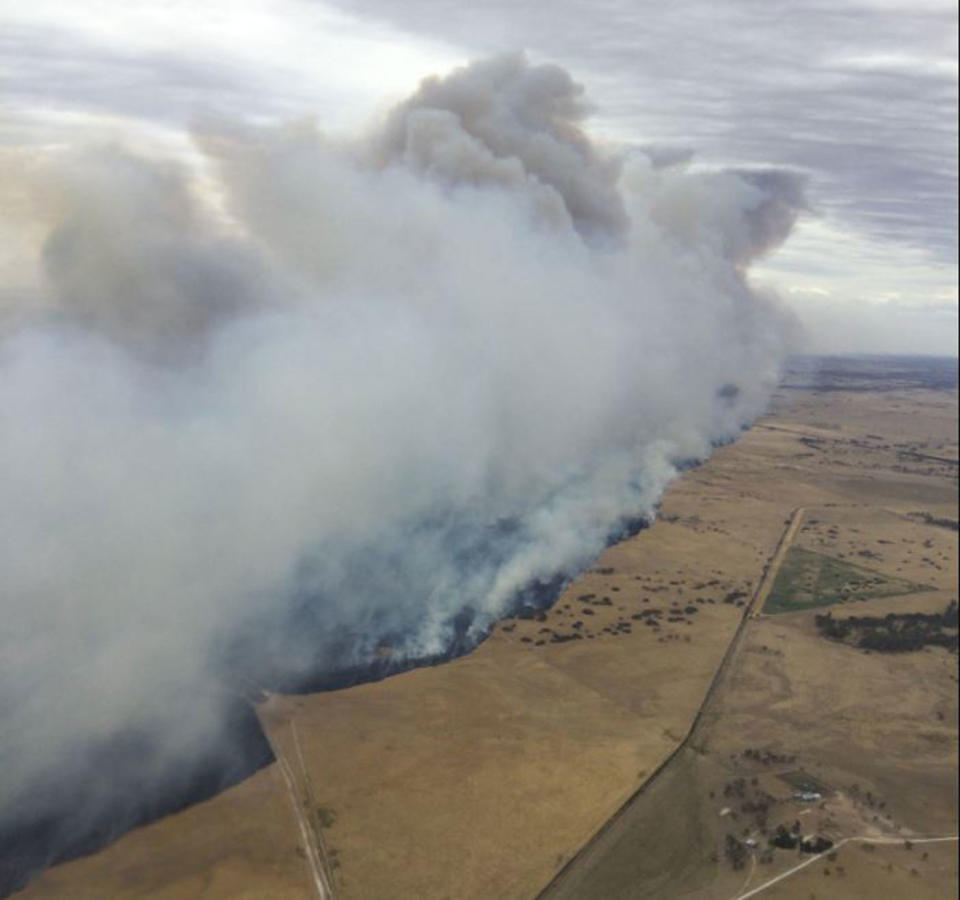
354, 401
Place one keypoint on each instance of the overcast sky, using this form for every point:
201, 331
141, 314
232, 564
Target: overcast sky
859, 94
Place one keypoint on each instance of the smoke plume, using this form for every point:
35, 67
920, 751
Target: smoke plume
341, 398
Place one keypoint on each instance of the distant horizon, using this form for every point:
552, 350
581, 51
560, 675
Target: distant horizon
854, 355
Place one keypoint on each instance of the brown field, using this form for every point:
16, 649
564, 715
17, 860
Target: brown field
866, 872
484, 776
238, 844
875, 732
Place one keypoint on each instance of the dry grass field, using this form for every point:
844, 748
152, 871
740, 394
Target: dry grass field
874, 732
481, 777
484, 776
239, 844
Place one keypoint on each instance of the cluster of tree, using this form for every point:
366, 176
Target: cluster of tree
758, 809
906, 640
784, 839
756, 806
531, 612
649, 617
592, 598
735, 851
867, 797
767, 757
789, 839
816, 844
952, 524
735, 788
563, 638
894, 632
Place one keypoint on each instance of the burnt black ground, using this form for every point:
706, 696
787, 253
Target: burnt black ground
109, 788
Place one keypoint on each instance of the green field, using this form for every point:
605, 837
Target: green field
807, 579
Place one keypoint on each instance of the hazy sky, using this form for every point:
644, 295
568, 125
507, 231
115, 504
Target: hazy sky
859, 94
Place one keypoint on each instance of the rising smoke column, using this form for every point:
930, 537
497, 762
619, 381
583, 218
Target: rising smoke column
383, 387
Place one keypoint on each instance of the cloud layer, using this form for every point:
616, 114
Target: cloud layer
860, 95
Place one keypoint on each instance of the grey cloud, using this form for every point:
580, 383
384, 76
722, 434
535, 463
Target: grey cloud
843, 91
753, 82
47, 68
664, 155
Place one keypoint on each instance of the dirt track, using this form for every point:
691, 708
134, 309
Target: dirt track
865, 840
610, 831
315, 855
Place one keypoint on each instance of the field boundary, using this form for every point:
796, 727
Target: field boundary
767, 575
863, 840
316, 856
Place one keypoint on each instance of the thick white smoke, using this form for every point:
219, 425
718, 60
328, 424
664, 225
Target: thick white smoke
403, 377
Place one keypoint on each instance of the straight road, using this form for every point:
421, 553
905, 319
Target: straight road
608, 832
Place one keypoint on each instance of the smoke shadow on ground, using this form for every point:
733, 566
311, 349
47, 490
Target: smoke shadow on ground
105, 792
83, 808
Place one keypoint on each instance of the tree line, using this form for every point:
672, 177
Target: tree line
894, 632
